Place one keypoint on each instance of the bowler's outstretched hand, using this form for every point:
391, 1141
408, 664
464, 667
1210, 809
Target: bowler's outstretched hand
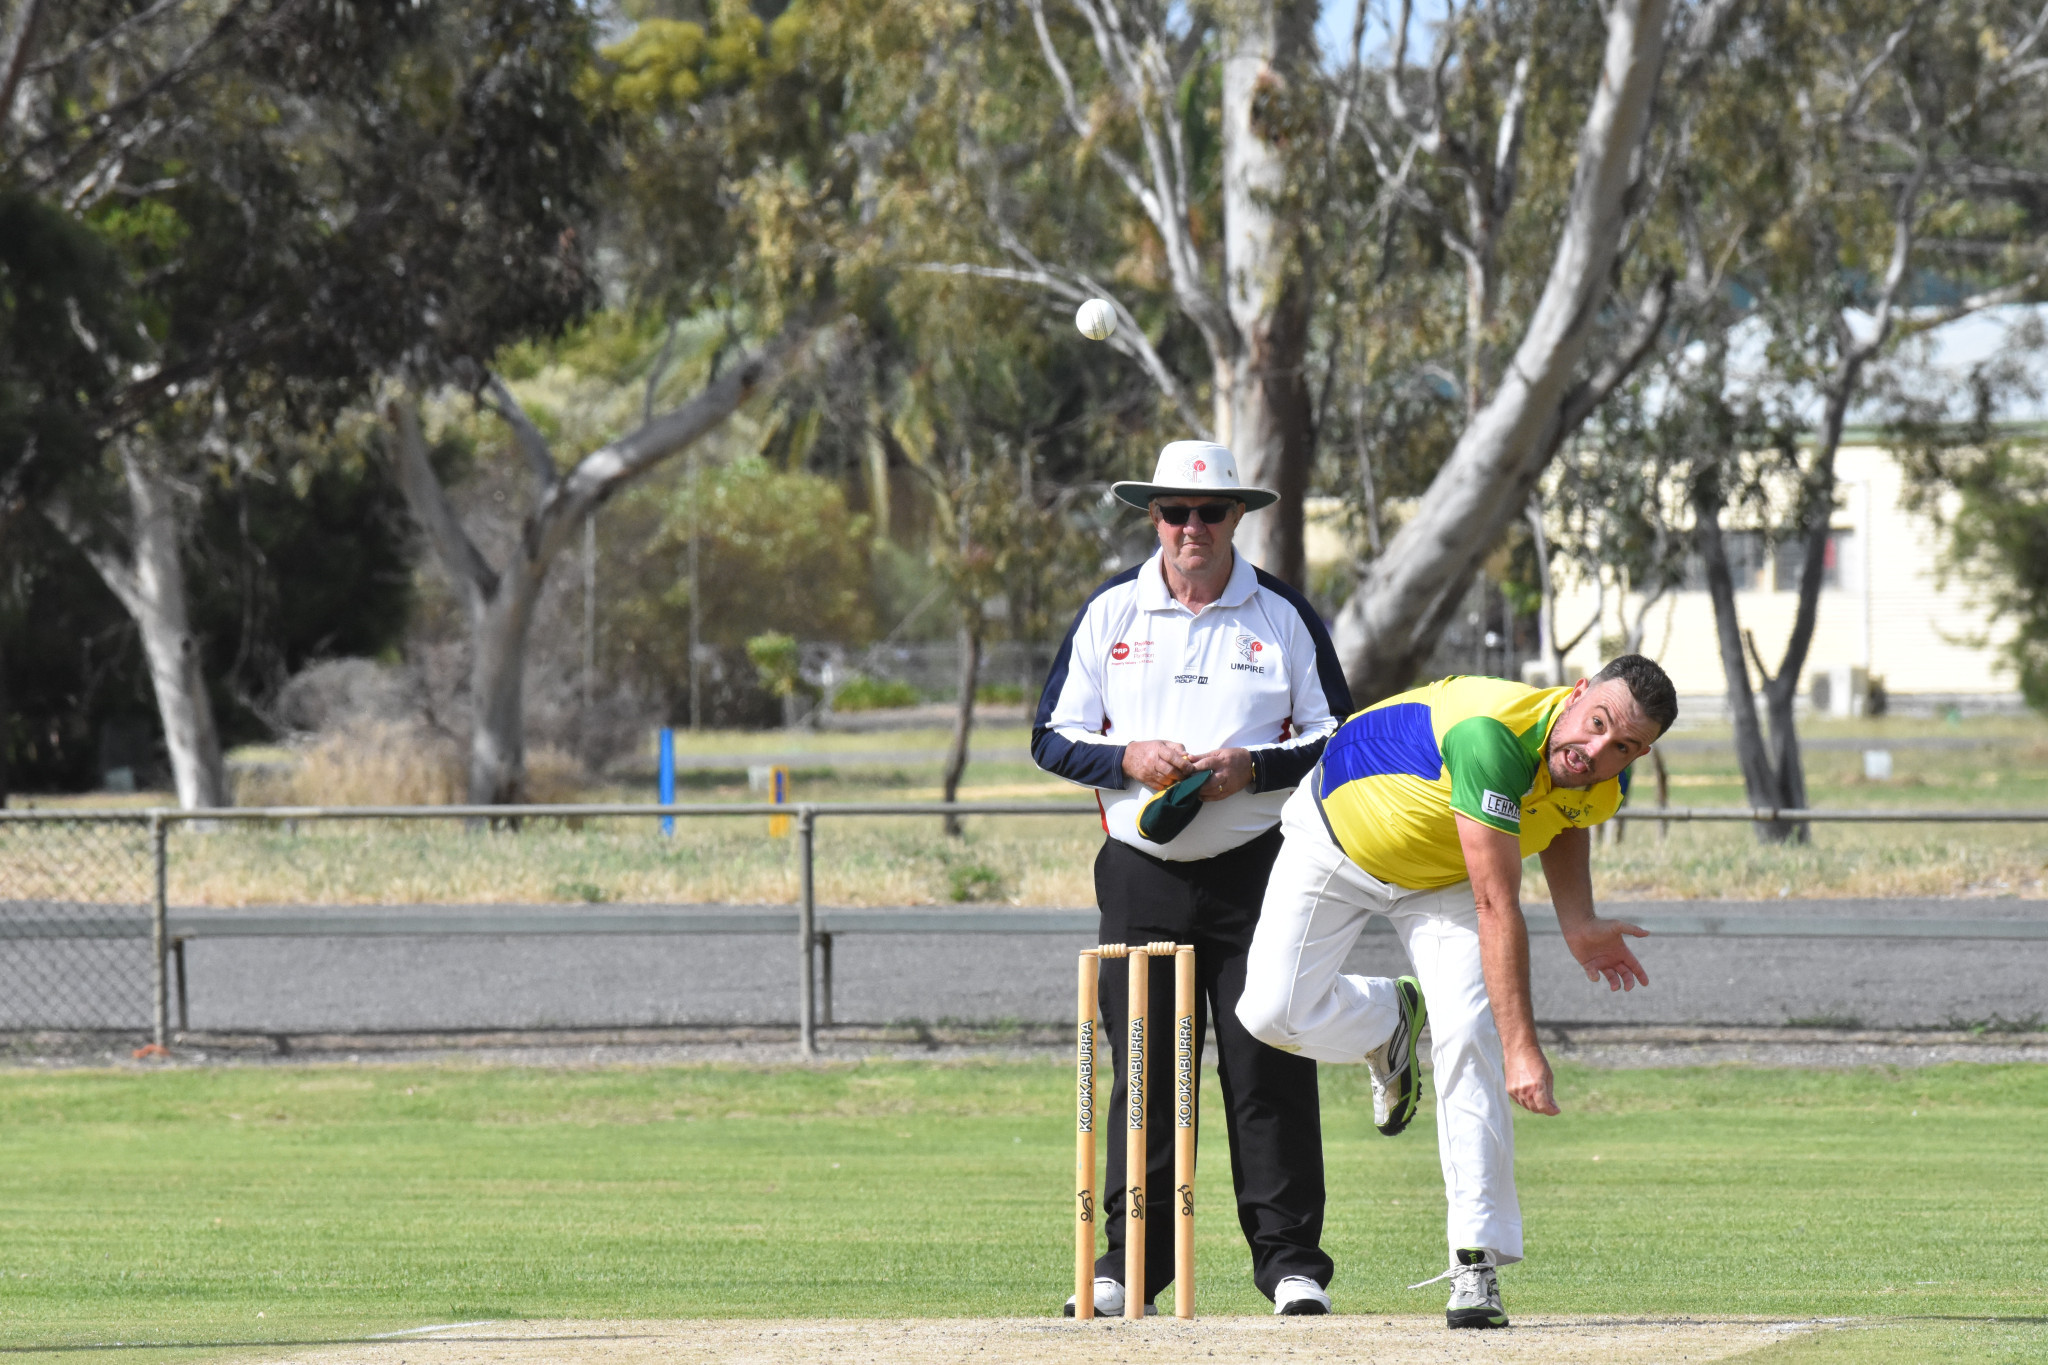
1601, 946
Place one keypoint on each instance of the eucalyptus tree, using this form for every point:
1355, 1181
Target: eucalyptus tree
1150, 154
1213, 197
1915, 141
131, 124
745, 154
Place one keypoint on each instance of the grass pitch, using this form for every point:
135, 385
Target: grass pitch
322, 1203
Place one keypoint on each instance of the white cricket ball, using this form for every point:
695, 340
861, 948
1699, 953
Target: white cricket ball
1096, 319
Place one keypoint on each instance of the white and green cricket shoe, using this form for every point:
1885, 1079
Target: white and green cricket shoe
1396, 1080
1475, 1290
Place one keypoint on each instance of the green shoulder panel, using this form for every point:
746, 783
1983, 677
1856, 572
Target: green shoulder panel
1491, 768
1537, 736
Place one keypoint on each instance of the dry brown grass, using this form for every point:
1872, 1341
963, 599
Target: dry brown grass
384, 763
376, 763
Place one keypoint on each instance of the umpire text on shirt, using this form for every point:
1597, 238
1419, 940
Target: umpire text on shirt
1196, 662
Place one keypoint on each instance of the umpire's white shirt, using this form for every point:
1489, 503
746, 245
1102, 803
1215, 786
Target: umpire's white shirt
1253, 670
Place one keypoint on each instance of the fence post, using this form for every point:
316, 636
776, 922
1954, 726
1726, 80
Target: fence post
159, 927
665, 777
807, 937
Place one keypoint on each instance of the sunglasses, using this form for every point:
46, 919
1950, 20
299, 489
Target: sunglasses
1211, 513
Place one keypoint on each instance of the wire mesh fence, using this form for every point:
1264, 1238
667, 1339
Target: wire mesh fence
578, 917
79, 943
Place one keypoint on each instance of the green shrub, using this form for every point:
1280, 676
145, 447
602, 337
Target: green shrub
874, 694
974, 882
999, 692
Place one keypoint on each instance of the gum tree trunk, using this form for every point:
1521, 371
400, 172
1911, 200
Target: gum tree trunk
150, 584
1409, 594
1264, 412
500, 599
963, 719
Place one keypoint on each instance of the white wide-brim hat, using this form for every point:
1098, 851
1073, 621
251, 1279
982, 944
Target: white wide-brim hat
1193, 469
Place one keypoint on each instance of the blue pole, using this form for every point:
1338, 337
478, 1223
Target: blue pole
668, 777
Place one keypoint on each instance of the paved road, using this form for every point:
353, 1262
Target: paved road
278, 985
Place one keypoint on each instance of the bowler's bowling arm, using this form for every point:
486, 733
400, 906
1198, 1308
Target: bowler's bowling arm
1493, 860
1600, 945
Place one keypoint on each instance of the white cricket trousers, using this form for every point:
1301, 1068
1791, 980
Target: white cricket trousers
1297, 998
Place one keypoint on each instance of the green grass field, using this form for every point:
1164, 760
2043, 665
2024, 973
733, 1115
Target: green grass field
321, 1203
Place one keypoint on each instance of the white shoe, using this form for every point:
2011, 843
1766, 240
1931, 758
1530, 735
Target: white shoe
1109, 1300
1475, 1290
1297, 1296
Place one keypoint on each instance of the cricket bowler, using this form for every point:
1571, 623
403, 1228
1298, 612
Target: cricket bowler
1422, 809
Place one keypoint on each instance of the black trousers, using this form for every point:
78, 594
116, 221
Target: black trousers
1270, 1106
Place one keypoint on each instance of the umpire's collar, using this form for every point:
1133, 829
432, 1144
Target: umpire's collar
1153, 595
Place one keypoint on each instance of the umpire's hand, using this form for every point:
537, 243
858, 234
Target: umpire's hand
1158, 763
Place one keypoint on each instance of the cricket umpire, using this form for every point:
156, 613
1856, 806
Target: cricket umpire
1193, 693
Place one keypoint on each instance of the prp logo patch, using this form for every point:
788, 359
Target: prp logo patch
1130, 652
1119, 651
1501, 807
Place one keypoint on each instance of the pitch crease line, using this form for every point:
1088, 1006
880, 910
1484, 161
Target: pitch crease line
442, 1327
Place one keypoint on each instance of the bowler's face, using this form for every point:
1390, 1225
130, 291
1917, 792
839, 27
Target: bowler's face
1600, 732
1196, 547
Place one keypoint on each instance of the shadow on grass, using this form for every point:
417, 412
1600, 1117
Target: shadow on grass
295, 1343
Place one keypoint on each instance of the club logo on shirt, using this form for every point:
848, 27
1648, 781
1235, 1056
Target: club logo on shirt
1131, 652
1201, 465
1250, 650
1501, 807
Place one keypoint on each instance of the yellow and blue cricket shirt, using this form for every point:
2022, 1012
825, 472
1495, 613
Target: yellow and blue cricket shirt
1395, 777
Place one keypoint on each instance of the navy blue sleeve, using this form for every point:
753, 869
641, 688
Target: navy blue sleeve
1091, 765
1277, 769
1329, 672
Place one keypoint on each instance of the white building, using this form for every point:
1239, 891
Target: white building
1886, 609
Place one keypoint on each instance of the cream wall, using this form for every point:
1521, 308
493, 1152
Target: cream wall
1888, 614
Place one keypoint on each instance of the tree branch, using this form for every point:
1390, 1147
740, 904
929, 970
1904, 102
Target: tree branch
1129, 338
605, 470
115, 571
494, 397
1642, 334
1756, 658
1975, 303
16, 42
458, 554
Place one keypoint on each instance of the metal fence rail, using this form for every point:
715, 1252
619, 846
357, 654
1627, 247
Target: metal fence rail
88, 939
